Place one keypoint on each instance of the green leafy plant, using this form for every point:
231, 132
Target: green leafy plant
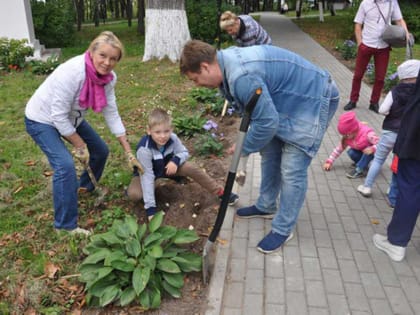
13, 53
212, 101
207, 144
189, 126
44, 67
391, 77
348, 49
132, 263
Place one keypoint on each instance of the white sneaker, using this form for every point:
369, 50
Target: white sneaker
396, 253
365, 191
75, 231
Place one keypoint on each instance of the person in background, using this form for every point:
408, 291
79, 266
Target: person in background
360, 138
162, 155
244, 29
287, 125
393, 107
407, 207
56, 112
370, 22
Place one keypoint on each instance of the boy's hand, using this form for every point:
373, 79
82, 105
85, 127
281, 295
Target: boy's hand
368, 151
171, 168
133, 162
327, 166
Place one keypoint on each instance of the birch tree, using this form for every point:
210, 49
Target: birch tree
166, 29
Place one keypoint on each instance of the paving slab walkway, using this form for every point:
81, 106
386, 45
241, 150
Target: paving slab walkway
331, 266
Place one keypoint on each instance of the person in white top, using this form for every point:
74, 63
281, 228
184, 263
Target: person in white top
370, 22
56, 112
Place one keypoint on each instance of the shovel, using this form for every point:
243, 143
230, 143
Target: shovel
243, 128
99, 190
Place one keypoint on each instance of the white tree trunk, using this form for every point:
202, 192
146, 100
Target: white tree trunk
166, 29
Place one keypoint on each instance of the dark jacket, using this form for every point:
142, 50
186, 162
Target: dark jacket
407, 145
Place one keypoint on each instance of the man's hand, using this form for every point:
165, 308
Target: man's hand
171, 168
82, 154
133, 162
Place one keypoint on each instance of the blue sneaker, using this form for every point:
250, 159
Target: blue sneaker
272, 242
253, 212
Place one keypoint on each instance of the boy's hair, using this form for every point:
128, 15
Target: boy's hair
193, 54
159, 116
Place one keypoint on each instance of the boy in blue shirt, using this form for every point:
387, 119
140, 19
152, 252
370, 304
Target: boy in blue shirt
162, 155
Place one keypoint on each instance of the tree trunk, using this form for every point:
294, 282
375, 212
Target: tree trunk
129, 11
166, 29
140, 17
79, 5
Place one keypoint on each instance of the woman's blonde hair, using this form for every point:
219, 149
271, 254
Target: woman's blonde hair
227, 19
107, 37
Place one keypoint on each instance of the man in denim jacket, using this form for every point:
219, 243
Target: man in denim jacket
287, 125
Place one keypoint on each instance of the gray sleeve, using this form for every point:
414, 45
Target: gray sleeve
180, 150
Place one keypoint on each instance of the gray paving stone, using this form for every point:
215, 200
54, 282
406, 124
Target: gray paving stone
237, 269
372, 286
231, 311
380, 307
253, 304
398, 301
274, 267
327, 258
342, 249
322, 238
239, 246
311, 268
274, 291
254, 282
333, 281
315, 293
296, 303
338, 304
234, 295
307, 247
356, 297
363, 261
318, 311
349, 270
275, 309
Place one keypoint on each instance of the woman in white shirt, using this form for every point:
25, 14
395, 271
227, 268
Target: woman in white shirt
56, 113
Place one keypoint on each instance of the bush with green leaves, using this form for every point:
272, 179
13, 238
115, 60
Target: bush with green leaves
190, 125
54, 22
207, 144
212, 101
348, 49
391, 77
44, 67
134, 263
13, 53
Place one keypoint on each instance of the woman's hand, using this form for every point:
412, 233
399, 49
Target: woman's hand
133, 162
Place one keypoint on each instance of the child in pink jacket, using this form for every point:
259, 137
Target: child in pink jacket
362, 141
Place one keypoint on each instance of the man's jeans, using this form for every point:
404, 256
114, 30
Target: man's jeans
284, 168
362, 160
65, 183
384, 147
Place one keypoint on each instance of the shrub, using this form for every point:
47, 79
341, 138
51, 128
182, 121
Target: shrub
13, 53
44, 67
210, 98
348, 49
391, 77
54, 22
132, 263
188, 126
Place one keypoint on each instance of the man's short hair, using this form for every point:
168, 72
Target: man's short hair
193, 54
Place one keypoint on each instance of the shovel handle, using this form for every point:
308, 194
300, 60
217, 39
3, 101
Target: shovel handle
246, 119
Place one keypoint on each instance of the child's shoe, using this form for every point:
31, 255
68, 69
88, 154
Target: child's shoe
272, 242
151, 212
233, 198
365, 191
356, 173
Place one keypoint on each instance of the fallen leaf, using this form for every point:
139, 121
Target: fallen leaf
222, 241
48, 173
18, 189
30, 163
374, 221
50, 270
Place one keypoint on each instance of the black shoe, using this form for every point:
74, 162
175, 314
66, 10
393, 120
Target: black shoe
355, 174
374, 107
350, 105
233, 198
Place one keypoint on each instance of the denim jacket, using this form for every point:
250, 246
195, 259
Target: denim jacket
295, 101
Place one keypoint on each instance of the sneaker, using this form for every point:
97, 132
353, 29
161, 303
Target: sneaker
76, 231
233, 198
365, 191
355, 174
350, 105
272, 242
374, 107
253, 212
396, 253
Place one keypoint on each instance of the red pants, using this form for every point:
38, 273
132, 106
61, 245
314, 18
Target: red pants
381, 58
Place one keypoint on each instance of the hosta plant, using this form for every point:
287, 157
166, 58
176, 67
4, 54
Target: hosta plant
134, 263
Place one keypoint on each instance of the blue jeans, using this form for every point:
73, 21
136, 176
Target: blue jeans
393, 190
65, 182
284, 169
362, 160
384, 147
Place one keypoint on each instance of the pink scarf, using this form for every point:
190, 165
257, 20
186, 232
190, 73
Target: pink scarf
93, 92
